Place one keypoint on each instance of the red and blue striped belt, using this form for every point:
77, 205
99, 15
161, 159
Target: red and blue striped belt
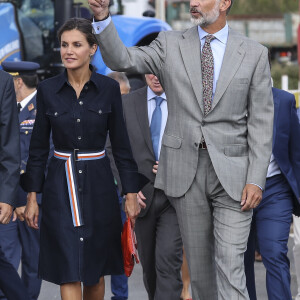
71, 158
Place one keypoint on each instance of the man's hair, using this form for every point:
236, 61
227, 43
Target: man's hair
120, 77
227, 12
31, 81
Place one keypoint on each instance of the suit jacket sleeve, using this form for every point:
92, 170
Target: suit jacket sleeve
260, 122
131, 180
143, 60
9, 143
33, 179
294, 141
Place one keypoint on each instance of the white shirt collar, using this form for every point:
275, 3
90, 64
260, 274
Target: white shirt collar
26, 100
221, 35
151, 94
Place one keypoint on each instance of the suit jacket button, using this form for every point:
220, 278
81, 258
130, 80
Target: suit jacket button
196, 145
203, 123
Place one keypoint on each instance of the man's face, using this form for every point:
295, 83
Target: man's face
153, 83
204, 12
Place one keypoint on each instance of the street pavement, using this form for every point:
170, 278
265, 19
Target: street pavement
137, 291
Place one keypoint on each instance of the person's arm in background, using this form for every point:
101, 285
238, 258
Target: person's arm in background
10, 158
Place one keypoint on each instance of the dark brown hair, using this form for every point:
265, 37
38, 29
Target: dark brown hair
80, 24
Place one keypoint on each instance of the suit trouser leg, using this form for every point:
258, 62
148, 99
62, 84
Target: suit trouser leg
273, 221
296, 252
10, 245
160, 249
10, 282
30, 241
210, 220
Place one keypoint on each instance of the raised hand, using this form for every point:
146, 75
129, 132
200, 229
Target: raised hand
99, 8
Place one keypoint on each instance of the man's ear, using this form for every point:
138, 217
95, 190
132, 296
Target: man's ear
19, 82
224, 5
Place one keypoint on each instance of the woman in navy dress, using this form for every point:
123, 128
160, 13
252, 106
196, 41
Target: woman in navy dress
81, 224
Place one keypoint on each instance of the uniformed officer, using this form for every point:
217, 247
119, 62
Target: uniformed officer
17, 240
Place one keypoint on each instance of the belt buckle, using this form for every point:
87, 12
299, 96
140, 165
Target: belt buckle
75, 153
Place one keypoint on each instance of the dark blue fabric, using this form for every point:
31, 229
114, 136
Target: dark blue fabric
69, 254
271, 223
272, 218
10, 282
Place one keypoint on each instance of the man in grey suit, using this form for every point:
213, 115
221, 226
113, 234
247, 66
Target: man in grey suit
217, 142
157, 229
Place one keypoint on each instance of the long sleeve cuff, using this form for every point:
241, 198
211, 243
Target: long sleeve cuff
101, 25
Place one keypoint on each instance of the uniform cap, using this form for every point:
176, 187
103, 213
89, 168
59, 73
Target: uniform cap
19, 68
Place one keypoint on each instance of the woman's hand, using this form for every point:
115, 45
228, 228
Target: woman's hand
132, 207
32, 211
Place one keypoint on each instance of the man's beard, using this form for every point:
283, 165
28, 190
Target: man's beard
206, 18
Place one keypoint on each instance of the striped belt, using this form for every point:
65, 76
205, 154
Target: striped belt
70, 158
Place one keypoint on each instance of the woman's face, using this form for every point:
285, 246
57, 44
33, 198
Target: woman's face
75, 50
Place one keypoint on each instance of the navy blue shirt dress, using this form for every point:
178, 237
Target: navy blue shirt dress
84, 253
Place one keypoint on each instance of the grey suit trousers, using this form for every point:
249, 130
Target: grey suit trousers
160, 249
215, 233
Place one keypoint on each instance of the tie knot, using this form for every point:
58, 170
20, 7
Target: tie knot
19, 106
209, 38
158, 100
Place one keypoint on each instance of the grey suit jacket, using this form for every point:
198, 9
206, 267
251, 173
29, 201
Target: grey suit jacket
136, 118
10, 159
238, 129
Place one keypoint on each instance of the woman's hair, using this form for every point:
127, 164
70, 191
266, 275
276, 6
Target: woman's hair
80, 24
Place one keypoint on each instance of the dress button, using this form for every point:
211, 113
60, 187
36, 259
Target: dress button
79, 137
79, 189
55, 114
80, 171
80, 102
78, 120
100, 111
81, 239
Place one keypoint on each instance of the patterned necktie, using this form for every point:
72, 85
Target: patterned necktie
156, 125
19, 107
207, 66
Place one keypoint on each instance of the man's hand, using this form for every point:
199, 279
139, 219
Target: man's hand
132, 207
155, 168
251, 197
6, 211
99, 8
141, 198
19, 212
32, 211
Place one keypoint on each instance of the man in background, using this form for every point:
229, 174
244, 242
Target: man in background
10, 282
118, 283
157, 230
18, 241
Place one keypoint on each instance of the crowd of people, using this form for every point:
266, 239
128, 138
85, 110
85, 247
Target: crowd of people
204, 160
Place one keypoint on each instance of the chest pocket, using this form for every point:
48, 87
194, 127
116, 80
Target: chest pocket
98, 115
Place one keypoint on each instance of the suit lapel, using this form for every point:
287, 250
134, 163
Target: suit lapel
141, 108
276, 109
233, 57
191, 51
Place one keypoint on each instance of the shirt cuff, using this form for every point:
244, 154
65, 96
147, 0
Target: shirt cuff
101, 25
256, 185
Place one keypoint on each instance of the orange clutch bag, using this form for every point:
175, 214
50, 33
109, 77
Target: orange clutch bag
129, 247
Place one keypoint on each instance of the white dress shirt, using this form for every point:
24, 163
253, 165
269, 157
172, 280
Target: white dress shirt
164, 111
26, 100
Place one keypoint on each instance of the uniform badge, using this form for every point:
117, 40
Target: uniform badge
30, 107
